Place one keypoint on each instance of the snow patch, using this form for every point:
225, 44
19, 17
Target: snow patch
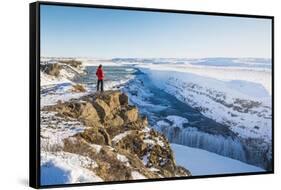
137, 175
54, 130
200, 162
66, 168
177, 120
122, 158
96, 147
120, 136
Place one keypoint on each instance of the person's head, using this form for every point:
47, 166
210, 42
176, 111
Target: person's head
100, 66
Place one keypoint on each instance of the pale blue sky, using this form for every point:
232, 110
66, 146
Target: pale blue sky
108, 33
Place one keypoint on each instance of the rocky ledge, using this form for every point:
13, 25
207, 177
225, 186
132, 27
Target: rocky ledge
115, 137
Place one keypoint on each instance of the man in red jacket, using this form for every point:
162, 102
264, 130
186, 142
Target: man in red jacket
100, 75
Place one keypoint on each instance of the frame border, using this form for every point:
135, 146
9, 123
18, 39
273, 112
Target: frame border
34, 90
34, 95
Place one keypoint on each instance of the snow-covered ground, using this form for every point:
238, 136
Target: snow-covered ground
66, 168
226, 73
201, 162
57, 166
58, 88
46, 80
54, 129
51, 94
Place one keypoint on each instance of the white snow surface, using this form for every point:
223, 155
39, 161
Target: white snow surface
258, 75
46, 79
136, 175
201, 162
120, 136
67, 73
111, 85
122, 158
96, 147
54, 89
177, 120
66, 168
53, 130
60, 92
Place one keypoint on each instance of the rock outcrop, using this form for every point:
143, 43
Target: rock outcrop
51, 69
117, 138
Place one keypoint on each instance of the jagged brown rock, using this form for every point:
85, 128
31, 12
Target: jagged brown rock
123, 99
126, 143
51, 69
89, 115
117, 121
130, 114
78, 88
102, 108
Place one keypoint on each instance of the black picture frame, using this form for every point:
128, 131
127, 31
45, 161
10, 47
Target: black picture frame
34, 90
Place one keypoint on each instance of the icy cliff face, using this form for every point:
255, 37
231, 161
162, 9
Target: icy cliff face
225, 146
252, 151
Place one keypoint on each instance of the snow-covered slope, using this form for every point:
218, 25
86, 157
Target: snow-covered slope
65, 74
46, 80
58, 88
201, 162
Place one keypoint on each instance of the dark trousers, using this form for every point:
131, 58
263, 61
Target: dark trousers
100, 85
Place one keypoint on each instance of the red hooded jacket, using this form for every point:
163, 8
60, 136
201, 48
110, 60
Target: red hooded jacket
100, 74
